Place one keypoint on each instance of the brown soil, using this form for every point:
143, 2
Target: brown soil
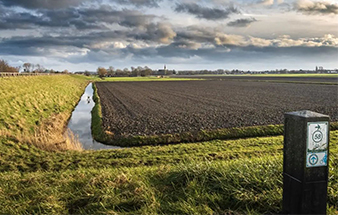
149, 108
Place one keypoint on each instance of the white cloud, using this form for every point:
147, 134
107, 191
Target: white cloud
286, 41
328, 40
316, 7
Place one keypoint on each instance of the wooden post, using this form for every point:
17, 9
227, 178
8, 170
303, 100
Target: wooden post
306, 161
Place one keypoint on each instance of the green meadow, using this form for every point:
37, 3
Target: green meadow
241, 176
238, 176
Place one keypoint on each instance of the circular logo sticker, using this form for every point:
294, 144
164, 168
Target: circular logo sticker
313, 159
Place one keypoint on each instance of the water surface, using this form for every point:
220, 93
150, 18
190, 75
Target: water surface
81, 119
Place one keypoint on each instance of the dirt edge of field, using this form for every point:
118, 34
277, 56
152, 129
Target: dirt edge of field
108, 138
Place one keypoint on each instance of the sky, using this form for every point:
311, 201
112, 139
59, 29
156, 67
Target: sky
251, 35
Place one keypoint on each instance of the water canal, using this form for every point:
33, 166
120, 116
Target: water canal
81, 119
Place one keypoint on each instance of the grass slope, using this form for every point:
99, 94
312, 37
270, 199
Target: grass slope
35, 109
238, 176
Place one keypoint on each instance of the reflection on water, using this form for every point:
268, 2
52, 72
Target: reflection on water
81, 120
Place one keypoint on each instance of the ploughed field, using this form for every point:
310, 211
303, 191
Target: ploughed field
153, 108
328, 79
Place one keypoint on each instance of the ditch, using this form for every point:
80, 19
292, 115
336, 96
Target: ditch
80, 122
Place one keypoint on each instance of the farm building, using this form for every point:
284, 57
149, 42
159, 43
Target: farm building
163, 71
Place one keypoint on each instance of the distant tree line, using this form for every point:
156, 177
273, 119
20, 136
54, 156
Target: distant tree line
27, 68
237, 71
208, 72
132, 72
37, 68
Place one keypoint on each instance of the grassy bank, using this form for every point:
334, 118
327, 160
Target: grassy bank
234, 176
36, 109
97, 126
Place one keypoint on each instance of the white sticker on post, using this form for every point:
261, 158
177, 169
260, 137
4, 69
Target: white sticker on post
317, 143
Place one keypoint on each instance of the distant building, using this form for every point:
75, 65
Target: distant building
163, 71
320, 68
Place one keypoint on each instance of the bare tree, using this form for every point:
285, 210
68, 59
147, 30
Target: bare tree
5, 67
39, 68
133, 71
146, 71
27, 67
102, 72
119, 72
111, 71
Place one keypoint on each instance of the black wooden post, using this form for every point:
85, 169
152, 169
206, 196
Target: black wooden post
306, 161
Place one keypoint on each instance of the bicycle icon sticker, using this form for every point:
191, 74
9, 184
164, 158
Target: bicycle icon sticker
313, 159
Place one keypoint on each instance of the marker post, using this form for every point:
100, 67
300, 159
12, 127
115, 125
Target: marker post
306, 161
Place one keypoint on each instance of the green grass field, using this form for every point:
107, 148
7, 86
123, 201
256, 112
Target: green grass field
240, 176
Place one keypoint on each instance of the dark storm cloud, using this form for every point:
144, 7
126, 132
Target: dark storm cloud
10, 20
159, 32
242, 22
145, 3
127, 18
38, 46
35, 4
185, 44
216, 55
97, 18
309, 7
236, 54
208, 35
45, 18
197, 34
58, 4
205, 12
